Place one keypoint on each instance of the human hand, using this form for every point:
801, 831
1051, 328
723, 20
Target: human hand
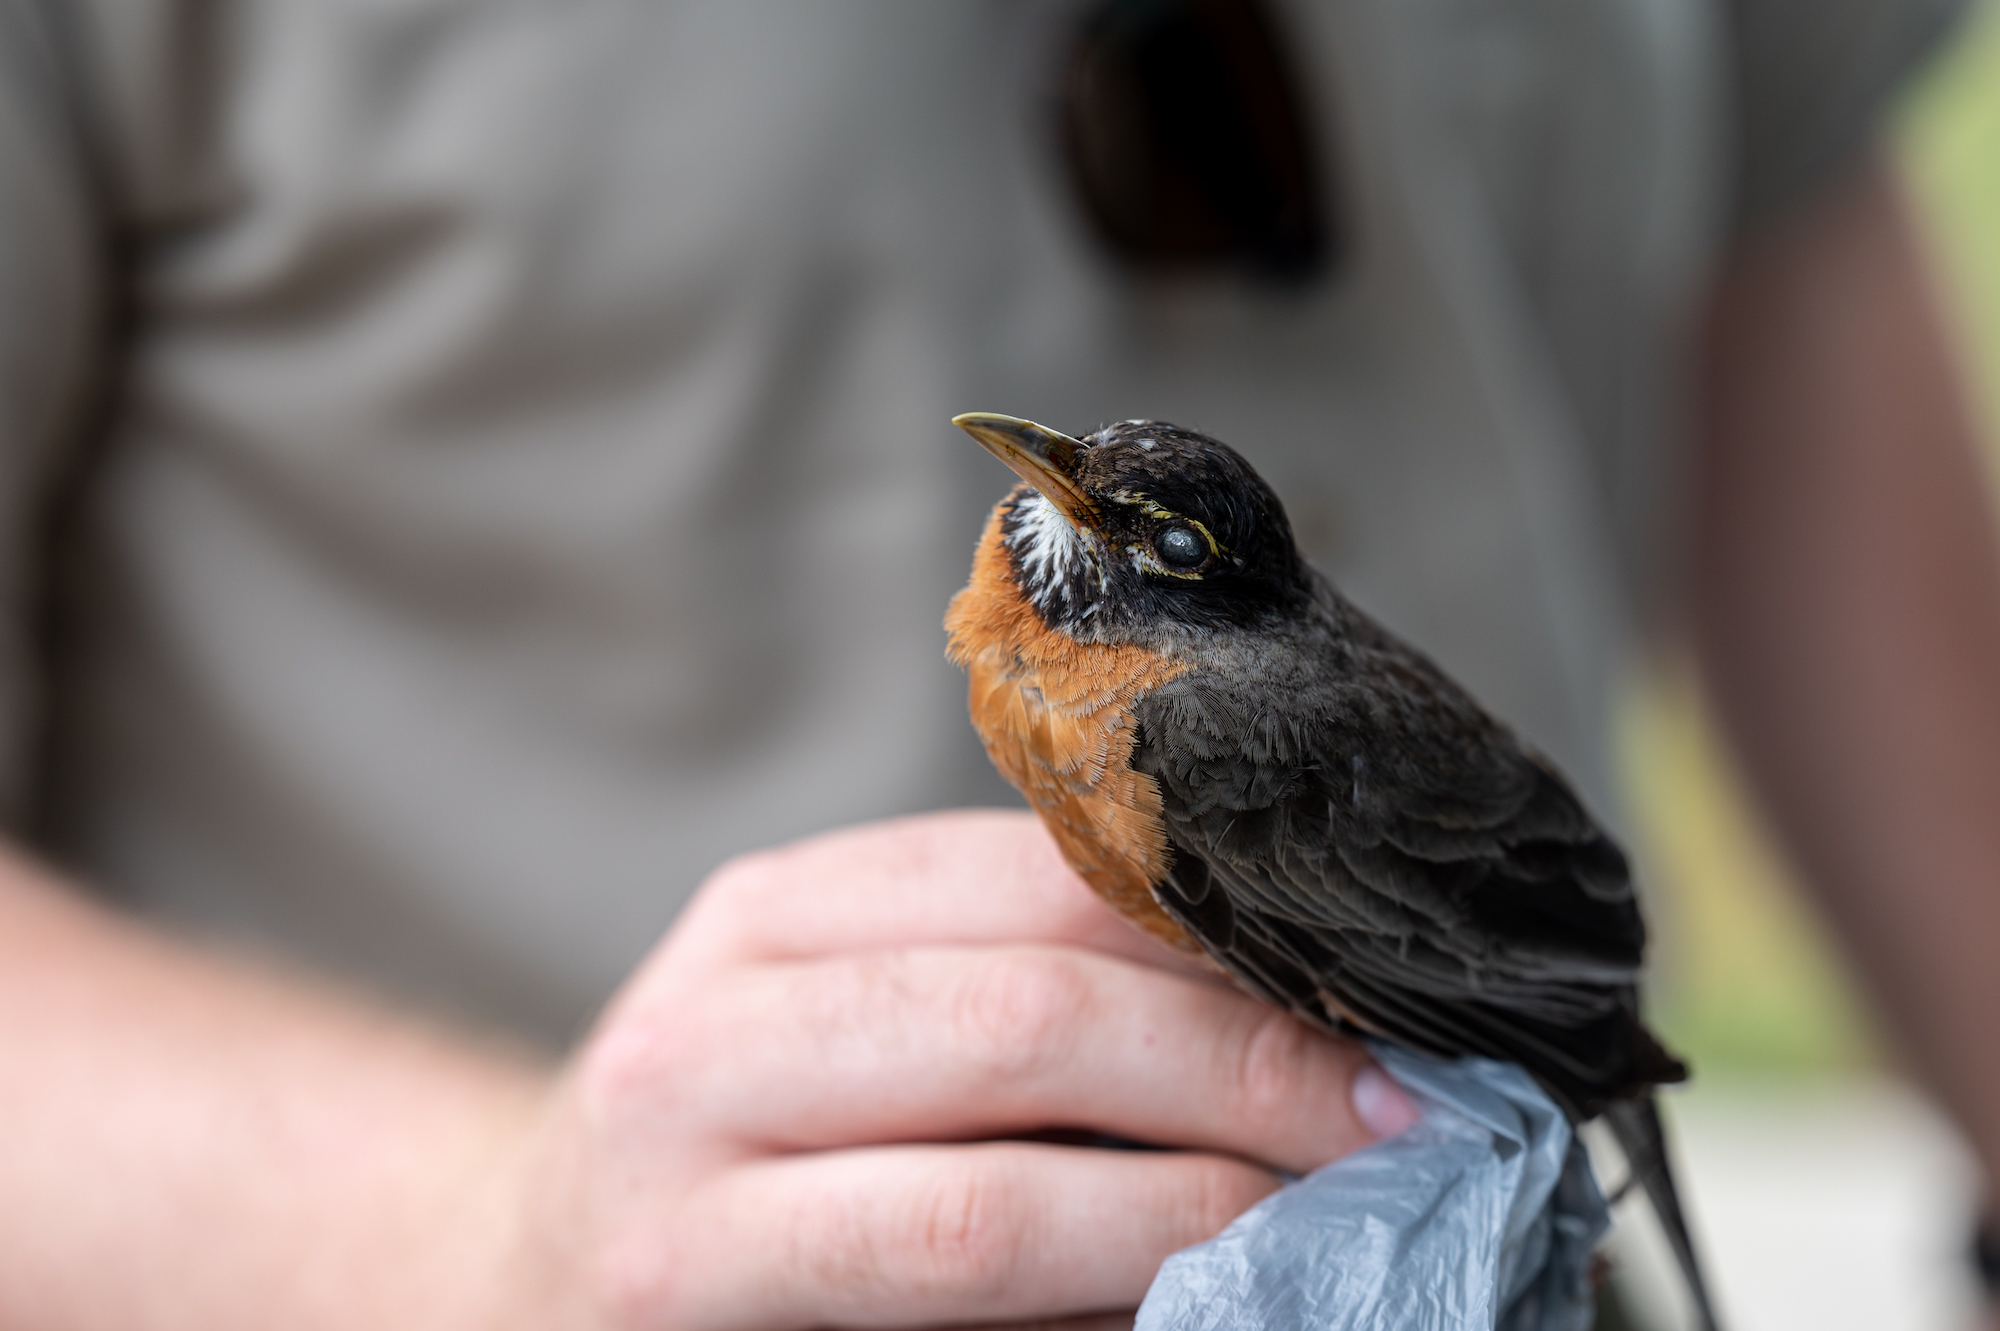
797, 1113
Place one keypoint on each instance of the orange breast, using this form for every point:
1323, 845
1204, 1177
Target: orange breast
1056, 718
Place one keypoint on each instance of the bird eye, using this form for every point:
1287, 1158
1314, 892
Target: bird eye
1181, 548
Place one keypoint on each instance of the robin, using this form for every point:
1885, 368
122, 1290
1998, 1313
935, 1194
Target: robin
1246, 766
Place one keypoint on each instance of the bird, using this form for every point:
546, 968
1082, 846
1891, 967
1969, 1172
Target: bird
1245, 765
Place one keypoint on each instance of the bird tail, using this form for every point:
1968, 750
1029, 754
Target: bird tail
1636, 1125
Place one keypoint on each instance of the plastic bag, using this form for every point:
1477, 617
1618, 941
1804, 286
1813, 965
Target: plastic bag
1482, 1215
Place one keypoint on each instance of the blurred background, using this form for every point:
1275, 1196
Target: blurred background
1806, 1155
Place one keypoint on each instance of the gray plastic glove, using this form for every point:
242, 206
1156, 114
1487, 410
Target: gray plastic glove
1482, 1216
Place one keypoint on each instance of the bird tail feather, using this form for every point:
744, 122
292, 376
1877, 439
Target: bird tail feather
1636, 1125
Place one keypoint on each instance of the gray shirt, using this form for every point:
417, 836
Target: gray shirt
469, 466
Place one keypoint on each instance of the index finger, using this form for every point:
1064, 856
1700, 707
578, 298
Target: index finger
967, 876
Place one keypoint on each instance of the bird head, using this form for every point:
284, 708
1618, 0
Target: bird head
1140, 532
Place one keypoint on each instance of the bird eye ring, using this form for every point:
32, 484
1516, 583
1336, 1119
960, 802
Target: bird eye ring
1180, 548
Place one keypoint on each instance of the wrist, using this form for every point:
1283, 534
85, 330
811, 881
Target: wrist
464, 1240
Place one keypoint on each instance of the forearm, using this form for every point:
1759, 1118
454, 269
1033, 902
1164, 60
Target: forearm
1847, 611
190, 1142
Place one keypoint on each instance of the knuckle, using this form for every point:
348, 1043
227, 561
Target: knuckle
634, 1286
967, 1237
640, 1068
1272, 1073
740, 881
1218, 1191
953, 1240
745, 901
623, 1066
1012, 1011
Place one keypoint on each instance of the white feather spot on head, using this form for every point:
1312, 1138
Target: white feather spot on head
1146, 445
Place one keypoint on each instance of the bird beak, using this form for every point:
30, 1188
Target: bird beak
1044, 458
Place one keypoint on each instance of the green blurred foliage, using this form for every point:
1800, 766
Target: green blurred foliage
1746, 983
1949, 141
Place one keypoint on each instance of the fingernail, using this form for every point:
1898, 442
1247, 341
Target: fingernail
1381, 1104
